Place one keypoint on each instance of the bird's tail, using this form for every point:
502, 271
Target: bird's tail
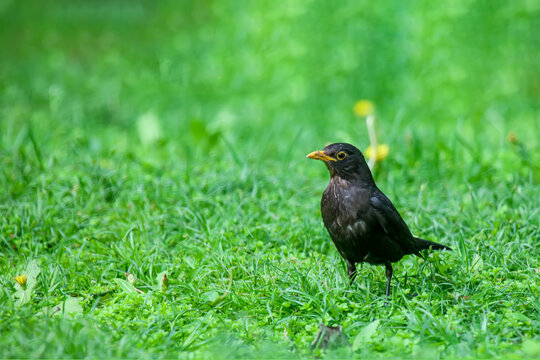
422, 244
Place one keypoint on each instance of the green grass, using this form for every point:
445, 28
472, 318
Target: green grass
147, 139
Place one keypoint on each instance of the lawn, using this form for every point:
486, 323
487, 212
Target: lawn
155, 193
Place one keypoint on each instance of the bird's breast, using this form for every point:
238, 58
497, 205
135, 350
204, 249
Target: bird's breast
341, 208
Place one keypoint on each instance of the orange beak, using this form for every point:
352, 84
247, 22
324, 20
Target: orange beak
320, 155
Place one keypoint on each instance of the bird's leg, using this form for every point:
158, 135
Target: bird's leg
351, 270
389, 272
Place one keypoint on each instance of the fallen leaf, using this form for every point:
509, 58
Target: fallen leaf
365, 335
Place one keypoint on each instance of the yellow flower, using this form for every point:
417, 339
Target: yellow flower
21, 280
363, 108
382, 152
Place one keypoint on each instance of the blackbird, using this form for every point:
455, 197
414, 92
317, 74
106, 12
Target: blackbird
362, 222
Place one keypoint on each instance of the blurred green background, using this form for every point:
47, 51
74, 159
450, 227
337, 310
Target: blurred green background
170, 136
294, 67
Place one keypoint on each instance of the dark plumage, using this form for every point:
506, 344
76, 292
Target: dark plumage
362, 222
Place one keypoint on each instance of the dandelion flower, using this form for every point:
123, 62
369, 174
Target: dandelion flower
21, 280
363, 108
382, 152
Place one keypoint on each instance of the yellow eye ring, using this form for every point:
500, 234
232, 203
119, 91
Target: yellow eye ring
341, 155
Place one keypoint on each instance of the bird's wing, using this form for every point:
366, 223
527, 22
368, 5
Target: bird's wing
392, 223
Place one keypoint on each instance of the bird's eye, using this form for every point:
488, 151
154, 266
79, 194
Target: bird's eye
341, 155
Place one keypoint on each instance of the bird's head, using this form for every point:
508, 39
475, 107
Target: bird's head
343, 160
